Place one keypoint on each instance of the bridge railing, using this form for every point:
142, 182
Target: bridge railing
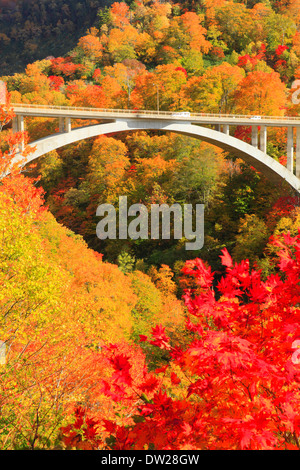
147, 112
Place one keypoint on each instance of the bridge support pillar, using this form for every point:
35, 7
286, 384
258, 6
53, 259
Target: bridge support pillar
21, 129
68, 126
218, 127
254, 136
226, 129
298, 152
61, 121
263, 139
18, 126
290, 149
18, 123
15, 124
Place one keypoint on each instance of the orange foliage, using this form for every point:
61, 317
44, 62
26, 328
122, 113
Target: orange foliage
191, 22
158, 89
107, 163
120, 14
261, 93
92, 96
91, 46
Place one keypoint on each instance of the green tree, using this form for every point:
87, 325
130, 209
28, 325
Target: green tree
251, 239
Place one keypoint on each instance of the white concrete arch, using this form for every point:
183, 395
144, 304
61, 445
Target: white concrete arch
272, 169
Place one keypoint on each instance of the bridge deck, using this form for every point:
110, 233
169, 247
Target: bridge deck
126, 120
117, 114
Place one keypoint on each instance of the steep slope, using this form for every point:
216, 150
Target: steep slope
34, 29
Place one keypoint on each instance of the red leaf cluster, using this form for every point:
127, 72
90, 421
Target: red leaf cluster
240, 382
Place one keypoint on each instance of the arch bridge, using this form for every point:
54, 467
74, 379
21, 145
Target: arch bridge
211, 128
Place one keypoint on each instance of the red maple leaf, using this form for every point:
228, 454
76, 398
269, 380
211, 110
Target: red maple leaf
161, 340
226, 258
121, 364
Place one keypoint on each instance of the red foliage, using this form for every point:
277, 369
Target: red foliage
56, 82
97, 74
243, 60
282, 207
283, 160
280, 49
65, 66
160, 339
247, 59
241, 373
217, 52
82, 434
132, 169
243, 133
182, 70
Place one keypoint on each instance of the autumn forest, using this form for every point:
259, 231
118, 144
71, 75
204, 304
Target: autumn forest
141, 344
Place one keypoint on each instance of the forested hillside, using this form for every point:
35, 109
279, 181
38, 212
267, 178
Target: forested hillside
32, 30
142, 344
162, 55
